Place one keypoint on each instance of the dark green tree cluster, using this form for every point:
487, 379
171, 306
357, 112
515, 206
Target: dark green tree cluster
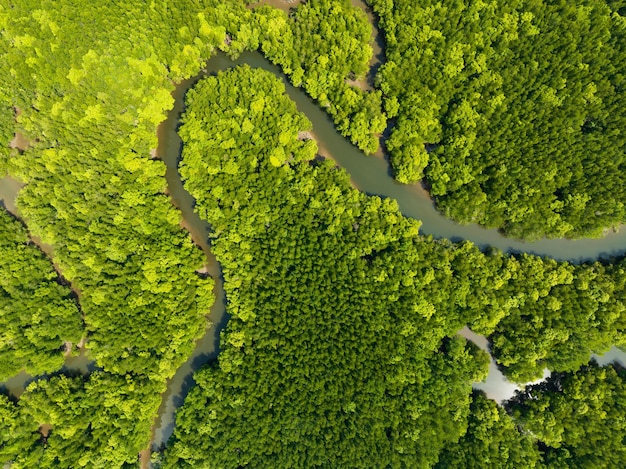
557, 315
492, 440
93, 80
577, 417
335, 354
38, 314
101, 421
521, 105
94, 84
320, 46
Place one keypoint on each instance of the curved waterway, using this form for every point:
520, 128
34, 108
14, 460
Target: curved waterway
369, 174
81, 363
207, 347
74, 364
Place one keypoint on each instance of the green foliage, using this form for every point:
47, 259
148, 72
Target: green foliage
558, 315
101, 422
577, 417
37, 312
94, 84
334, 354
7, 125
8, 420
320, 47
341, 350
492, 440
521, 103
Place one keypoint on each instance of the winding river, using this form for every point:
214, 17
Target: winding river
207, 347
369, 174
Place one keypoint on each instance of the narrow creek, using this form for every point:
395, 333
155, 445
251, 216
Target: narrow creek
81, 363
207, 347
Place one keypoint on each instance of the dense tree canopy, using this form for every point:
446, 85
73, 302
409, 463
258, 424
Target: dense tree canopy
342, 347
522, 104
577, 417
559, 314
335, 353
102, 421
321, 46
37, 312
298, 246
492, 440
93, 191
92, 81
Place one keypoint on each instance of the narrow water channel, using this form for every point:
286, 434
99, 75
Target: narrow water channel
207, 347
15, 386
75, 364
372, 175
495, 386
368, 173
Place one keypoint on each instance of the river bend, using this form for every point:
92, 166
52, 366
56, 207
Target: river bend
369, 174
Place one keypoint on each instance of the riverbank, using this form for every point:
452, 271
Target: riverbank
206, 347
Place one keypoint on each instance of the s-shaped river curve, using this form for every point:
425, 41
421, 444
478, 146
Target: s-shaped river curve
369, 174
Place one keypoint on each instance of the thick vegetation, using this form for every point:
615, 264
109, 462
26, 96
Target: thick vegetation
335, 353
297, 246
342, 347
558, 315
93, 80
37, 312
102, 421
93, 191
522, 105
572, 420
320, 46
577, 417
492, 440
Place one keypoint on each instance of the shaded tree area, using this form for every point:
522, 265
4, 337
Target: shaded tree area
522, 103
342, 347
340, 311
577, 417
37, 312
573, 419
